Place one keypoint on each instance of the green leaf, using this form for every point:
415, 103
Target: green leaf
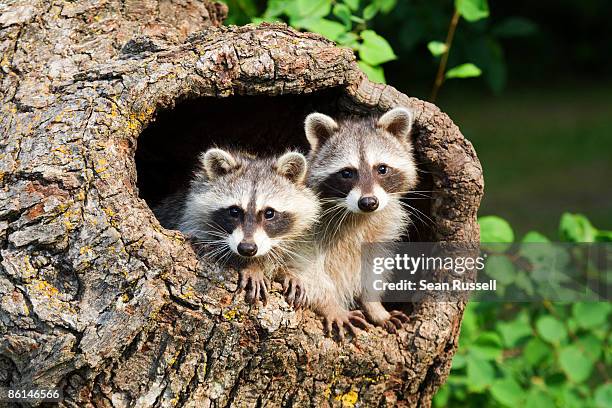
536, 398
515, 27
436, 48
534, 236
375, 74
573, 363
515, 330
603, 236
349, 40
249, 7
344, 14
591, 346
488, 346
494, 65
459, 361
357, 19
327, 28
375, 50
507, 391
472, 10
501, 268
603, 396
386, 5
494, 229
535, 351
524, 282
576, 228
275, 8
551, 329
480, 374
469, 326
468, 70
259, 20
313, 8
370, 11
442, 396
570, 398
591, 315
353, 4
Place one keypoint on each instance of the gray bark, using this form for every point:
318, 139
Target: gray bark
97, 299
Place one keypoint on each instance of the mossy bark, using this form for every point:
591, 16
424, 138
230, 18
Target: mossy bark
97, 299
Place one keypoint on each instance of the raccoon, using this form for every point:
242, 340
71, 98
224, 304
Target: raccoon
360, 168
251, 212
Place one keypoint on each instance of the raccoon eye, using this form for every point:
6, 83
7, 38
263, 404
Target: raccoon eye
383, 169
234, 211
269, 213
346, 173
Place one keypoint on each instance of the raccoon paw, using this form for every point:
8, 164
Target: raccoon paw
349, 320
395, 321
255, 285
294, 292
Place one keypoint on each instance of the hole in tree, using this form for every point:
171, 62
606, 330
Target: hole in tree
168, 148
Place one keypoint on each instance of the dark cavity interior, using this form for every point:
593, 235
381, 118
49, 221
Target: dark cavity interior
168, 148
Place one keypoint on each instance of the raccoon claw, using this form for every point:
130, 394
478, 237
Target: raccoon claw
395, 322
401, 316
351, 320
294, 292
254, 285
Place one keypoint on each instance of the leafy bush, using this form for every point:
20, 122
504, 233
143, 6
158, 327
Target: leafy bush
349, 23
539, 354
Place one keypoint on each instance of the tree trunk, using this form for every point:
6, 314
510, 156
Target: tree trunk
104, 105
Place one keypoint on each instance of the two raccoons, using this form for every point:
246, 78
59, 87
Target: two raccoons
304, 221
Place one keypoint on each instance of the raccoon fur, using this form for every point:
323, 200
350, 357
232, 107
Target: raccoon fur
360, 168
251, 212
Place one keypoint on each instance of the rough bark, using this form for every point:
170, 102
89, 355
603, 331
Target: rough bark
98, 299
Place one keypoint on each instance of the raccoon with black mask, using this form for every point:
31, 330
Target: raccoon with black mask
360, 168
253, 213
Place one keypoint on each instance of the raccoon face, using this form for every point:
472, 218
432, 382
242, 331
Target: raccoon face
250, 206
361, 163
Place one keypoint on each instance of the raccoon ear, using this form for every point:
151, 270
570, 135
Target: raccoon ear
319, 128
293, 166
217, 163
397, 121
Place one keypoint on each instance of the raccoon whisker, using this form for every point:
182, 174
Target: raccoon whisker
334, 222
332, 213
292, 254
277, 259
334, 189
224, 259
218, 251
415, 191
403, 193
415, 211
419, 217
331, 210
215, 234
209, 241
330, 199
346, 214
329, 223
216, 227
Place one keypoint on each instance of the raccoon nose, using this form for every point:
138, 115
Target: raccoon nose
368, 204
247, 249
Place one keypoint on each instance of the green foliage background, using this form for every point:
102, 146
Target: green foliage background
532, 354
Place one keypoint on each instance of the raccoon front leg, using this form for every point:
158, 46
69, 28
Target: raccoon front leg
377, 314
294, 291
336, 316
253, 281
